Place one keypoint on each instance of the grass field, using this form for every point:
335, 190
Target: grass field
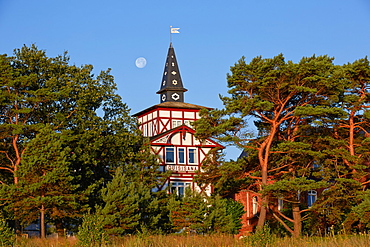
362, 240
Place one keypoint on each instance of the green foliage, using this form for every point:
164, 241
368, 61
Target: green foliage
334, 205
188, 213
7, 236
130, 206
284, 188
45, 180
262, 237
195, 213
57, 152
359, 217
91, 233
224, 216
235, 210
93, 134
311, 120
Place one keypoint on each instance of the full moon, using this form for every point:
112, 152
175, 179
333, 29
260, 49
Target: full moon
140, 62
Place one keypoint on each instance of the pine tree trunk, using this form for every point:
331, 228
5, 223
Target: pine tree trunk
262, 215
297, 220
263, 156
42, 221
264, 201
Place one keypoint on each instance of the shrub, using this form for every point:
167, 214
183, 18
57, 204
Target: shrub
7, 236
91, 233
260, 238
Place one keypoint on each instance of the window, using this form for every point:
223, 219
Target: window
170, 155
192, 156
311, 197
188, 123
280, 204
176, 123
150, 129
179, 188
254, 205
145, 130
181, 157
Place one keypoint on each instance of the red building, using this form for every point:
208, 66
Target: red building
168, 125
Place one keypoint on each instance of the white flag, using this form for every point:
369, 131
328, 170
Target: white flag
175, 30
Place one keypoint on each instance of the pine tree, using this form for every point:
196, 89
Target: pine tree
45, 187
130, 205
281, 97
91, 232
38, 91
223, 217
358, 220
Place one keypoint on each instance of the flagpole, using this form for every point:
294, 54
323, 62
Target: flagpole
171, 34
173, 30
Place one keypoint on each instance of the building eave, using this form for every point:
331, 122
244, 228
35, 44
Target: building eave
172, 105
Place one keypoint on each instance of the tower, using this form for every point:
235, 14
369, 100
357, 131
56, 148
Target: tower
169, 127
172, 89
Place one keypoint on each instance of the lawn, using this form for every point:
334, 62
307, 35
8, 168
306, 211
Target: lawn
360, 240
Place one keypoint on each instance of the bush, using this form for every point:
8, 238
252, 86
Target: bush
7, 236
260, 238
91, 233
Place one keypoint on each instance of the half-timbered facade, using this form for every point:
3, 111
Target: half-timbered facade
169, 127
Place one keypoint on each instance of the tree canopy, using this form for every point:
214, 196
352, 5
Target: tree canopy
311, 122
62, 129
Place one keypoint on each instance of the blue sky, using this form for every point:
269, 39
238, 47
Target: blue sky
213, 36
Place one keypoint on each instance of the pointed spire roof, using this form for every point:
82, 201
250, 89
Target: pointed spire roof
172, 88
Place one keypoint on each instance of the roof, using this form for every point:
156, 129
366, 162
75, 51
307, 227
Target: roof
171, 80
178, 105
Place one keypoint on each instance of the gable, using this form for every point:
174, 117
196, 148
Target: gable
182, 135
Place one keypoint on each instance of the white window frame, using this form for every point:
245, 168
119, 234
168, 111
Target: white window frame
176, 123
195, 156
145, 129
150, 129
179, 188
174, 155
183, 153
280, 204
254, 205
